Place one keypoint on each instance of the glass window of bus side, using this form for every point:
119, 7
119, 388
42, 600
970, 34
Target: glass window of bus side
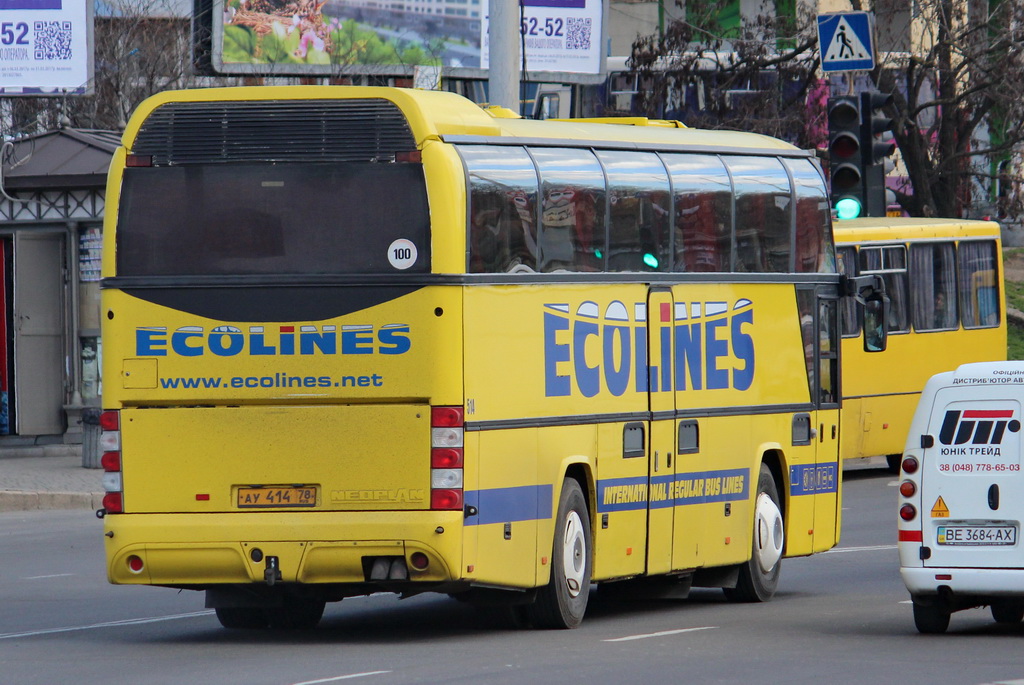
256, 218
702, 202
977, 277
891, 263
572, 209
933, 291
814, 246
638, 211
848, 306
502, 208
764, 206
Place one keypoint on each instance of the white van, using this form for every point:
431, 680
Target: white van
962, 496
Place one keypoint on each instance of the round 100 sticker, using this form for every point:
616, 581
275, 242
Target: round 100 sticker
402, 253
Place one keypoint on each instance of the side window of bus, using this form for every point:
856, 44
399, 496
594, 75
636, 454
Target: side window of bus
813, 219
638, 198
702, 202
572, 210
848, 306
502, 209
979, 285
764, 214
891, 263
933, 296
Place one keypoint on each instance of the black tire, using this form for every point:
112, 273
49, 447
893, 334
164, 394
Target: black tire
1008, 611
563, 601
296, 614
931, 619
756, 583
242, 618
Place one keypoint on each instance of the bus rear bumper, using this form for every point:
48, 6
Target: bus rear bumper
276, 547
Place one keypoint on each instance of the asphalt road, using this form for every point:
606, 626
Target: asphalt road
839, 617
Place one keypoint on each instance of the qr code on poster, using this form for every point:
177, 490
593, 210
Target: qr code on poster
53, 40
577, 35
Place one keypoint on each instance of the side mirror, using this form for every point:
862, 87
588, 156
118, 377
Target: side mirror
876, 314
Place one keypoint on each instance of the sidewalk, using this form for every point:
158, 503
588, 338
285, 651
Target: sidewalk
48, 477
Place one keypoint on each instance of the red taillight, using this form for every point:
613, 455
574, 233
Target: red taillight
446, 457
414, 156
908, 512
908, 488
135, 564
110, 421
911, 536
446, 499
909, 465
111, 461
138, 160
113, 503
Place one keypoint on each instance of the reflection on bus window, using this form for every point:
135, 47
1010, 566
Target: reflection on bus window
933, 297
813, 219
763, 214
702, 200
638, 237
891, 263
502, 215
572, 195
848, 307
979, 287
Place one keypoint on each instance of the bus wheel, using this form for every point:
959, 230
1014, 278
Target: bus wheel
563, 601
1008, 611
931, 618
296, 614
242, 618
760, 575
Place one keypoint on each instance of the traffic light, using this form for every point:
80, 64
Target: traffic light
875, 149
845, 156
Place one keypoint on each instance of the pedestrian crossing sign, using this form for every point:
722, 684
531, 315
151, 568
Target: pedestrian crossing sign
846, 41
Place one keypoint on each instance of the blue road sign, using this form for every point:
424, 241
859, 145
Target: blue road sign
846, 41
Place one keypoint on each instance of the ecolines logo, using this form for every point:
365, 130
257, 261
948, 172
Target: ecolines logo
977, 426
712, 348
230, 341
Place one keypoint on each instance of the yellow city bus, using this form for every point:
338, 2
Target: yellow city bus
945, 289
365, 339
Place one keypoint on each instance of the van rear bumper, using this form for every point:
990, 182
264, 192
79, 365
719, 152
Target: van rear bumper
981, 582
307, 547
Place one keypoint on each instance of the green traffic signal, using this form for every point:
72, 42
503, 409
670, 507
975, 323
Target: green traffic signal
848, 208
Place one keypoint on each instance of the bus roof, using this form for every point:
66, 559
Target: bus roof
443, 115
910, 228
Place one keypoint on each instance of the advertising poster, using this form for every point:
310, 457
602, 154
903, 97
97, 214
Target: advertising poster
393, 37
45, 47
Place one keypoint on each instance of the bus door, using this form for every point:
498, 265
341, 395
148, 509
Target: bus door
825, 483
661, 449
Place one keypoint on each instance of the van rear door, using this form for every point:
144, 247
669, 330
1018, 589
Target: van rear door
971, 482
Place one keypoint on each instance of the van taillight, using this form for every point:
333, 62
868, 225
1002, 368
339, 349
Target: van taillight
110, 444
908, 512
446, 457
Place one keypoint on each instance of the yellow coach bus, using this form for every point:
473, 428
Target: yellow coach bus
372, 339
945, 290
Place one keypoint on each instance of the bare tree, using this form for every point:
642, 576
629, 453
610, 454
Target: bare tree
958, 95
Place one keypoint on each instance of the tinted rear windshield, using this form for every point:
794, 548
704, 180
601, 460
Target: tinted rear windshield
245, 219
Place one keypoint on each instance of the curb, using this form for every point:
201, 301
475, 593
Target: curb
16, 500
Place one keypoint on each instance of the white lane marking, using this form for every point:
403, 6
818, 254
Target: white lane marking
108, 624
341, 677
54, 575
659, 634
871, 548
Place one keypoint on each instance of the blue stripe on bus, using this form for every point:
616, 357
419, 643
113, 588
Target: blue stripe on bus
505, 505
681, 489
813, 479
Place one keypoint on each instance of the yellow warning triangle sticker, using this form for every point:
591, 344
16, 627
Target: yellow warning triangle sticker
940, 510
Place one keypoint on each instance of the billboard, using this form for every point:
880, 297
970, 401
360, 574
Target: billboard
45, 47
393, 37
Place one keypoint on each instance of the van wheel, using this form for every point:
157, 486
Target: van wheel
759, 577
1009, 611
242, 618
296, 614
930, 618
563, 601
